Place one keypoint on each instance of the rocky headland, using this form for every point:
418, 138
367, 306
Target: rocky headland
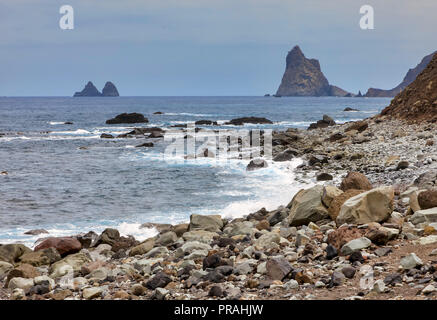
408, 79
303, 77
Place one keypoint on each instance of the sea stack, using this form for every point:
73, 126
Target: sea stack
89, 91
417, 102
408, 79
303, 77
110, 90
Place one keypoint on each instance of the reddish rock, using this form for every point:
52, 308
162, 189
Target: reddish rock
337, 202
355, 180
278, 268
64, 245
427, 199
23, 271
343, 235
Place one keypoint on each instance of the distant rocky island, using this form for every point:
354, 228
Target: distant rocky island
303, 77
90, 90
408, 79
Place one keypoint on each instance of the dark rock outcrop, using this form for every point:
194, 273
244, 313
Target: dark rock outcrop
252, 120
128, 118
303, 77
89, 91
408, 79
417, 102
327, 121
110, 90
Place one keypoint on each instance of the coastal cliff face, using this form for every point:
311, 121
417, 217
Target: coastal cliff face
110, 90
417, 102
408, 79
90, 90
303, 77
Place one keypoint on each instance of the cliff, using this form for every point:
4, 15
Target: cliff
303, 77
408, 79
418, 101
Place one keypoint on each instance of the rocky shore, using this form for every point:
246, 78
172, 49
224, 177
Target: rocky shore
366, 230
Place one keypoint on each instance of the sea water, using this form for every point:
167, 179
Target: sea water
67, 180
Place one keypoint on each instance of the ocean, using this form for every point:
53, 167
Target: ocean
67, 180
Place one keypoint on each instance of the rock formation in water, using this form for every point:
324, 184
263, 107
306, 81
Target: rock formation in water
409, 78
128, 118
110, 90
89, 91
417, 102
303, 77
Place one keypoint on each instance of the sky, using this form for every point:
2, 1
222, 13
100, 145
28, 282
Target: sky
206, 47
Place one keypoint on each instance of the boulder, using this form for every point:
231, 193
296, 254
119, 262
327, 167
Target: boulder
327, 121
205, 123
5, 267
252, 120
355, 180
329, 193
411, 261
167, 238
375, 205
278, 268
199, 235
267, 240
212, 223
256, 164
424, 216
20, 283
239, 228
160, 280
323, 176
41, 257
64, 245
143, 248
36, 232
108, 236
92, 293
73, 262
339, 237
286, 155
106, 136
307, 207
12, 252
338, 201
359, 126
427, 199
128, 118
355, 245
426, 180
23, 271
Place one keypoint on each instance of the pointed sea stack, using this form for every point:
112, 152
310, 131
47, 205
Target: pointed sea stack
110, 90
303, 77
417, 102
89, 91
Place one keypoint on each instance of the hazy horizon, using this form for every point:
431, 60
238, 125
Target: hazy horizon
215, 48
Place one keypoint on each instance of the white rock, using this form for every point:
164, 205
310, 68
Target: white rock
411, 261
429, 289
92, 293
355, 245
290, 285
20, 283
379, 286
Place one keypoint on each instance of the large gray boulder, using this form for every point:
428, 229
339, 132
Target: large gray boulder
212, 223
375, 205
307, 207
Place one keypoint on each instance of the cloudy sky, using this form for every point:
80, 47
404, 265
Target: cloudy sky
206, 47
